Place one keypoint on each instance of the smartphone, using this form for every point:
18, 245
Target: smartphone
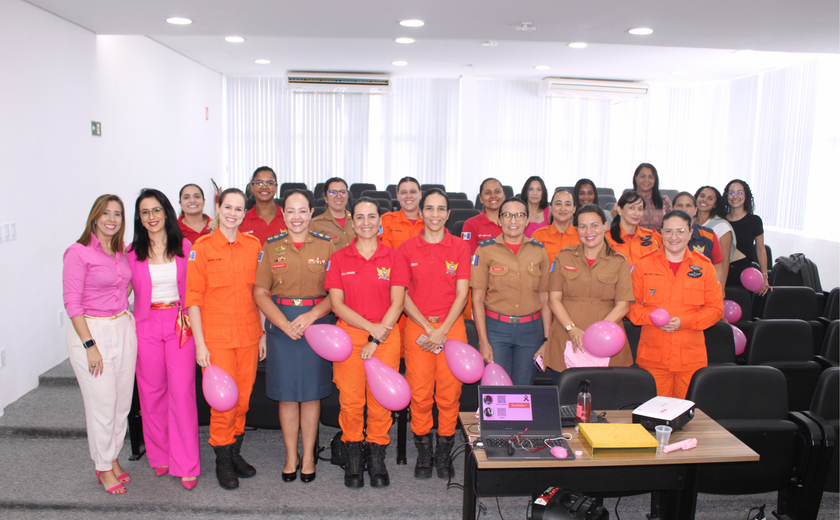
423, 338
540, 363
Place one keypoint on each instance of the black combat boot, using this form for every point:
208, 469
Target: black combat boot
376, 466
224, 467
423, 468
354, 476
443, 459
240, 467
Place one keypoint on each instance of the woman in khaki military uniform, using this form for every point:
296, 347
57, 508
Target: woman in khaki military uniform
509, 281
335, 222
589, 282
290, 292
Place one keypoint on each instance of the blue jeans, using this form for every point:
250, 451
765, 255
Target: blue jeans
514, 346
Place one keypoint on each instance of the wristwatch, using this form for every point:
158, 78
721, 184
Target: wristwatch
569, 327
374, 340
89, 343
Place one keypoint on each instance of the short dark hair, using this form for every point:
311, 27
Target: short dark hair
361, 200
685, 194
678, 213
306, 193
332, 180
485, 181
590, 208
408, 179
514, 199
263, 169
433, 191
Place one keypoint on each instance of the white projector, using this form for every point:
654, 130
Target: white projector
667, 411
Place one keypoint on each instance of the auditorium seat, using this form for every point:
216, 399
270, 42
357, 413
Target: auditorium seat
744, 299
358, 187
826, 405
612, 388
286, 186
320, 202
456, 229
786, 345
604, 200
508, 191
318, 192
669, 193
720, 344
392, 189
424, 187
384, 206
602, 191
796, 303
832, 305
460, 204
318, 210
453, 195
378, 194
828, 356
458, 214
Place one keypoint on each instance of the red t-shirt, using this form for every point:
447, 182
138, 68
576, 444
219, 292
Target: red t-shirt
191, 234
252, 224
298, 245
675, 266
435, 269
514, 247
367, 283
590, 261
479, 228
341, 221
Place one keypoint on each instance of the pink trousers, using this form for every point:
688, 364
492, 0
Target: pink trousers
166, 383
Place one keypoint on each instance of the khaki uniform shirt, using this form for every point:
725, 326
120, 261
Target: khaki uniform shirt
513, 282
589, 294
327, 225
289, 273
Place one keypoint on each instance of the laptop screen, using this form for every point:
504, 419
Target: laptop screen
514, 408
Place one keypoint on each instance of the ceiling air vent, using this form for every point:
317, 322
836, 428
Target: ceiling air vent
593, 89
339, 82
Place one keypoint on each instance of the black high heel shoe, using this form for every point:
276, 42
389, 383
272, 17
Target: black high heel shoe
290, 477
307, 477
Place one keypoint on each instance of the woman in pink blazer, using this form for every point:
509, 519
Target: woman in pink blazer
165, 364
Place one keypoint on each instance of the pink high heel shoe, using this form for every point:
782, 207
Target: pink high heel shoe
189, 484
161, 470
119, 489
125, 478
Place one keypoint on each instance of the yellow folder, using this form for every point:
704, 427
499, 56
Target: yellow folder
615, 439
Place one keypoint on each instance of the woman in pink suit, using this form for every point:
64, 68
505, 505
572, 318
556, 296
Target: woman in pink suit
165, 367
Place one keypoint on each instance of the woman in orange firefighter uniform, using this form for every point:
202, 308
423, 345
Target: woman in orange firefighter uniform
683, 282
366, 282
221, 272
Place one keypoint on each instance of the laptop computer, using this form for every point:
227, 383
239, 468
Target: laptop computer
521, 422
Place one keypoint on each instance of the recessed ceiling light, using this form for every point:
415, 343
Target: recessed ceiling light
399, 63
542, 67
490, 43
526, 27
404, 40
412, 23
179, 21
262, 62
577, 45
641, 31
235, 39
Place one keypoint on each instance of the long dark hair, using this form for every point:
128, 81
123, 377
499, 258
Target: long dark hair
656, 197
749, 201
524, 193
174, 238
628, 197
720, 204
576, 191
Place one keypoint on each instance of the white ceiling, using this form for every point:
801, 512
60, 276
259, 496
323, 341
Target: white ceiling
698, 38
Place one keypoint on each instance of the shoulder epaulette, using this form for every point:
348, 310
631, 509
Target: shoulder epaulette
319, 235
202, 237
253, 237
488, 242
537, 242
278, 236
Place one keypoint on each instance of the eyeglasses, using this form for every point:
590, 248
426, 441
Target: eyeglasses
671, 232
333, 193
507, 216
145, 214
270, 184
740, 193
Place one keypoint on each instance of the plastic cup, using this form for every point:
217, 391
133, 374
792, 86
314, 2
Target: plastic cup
663, 435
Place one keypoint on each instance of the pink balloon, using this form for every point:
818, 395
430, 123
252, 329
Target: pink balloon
603, 339
464, 361
330, 342
219, 388
660, 317
389, 387
495, 375
740, 340
752, 280
731, 311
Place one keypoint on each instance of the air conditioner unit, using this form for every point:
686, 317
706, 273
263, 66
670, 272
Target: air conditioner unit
339, 82
593, 89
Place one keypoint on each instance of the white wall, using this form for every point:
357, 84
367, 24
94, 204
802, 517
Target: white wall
57, 78
824, 253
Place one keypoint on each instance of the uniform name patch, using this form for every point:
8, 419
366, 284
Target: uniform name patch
278, 266
498, 268
570, 268
466, 235
333, 237
192, 255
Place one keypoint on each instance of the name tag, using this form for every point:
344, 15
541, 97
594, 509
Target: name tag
498, 268
570, 268
278, 266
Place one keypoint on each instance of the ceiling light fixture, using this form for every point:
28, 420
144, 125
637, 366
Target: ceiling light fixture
542, 67
641, 31
577, 45
399, 63
262, 62
404, 40
526, 27
178, 21
235, 39
490, 43
412, 23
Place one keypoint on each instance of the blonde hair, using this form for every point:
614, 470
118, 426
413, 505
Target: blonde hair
214, 224
97, 211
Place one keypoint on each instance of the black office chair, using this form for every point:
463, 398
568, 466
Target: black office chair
460, 204
826, 405
286, 186
795, 303
751, 402
604, 200
318, 210
786, 345
377, 194
832, 305
720, 344
602, 191
320, 203
829, 355
459, 214
384, 206
668, 193
424, 187
455, 230
478, 204
318, 192
612, 388
460, 195
392, 189
358, 187
508, 191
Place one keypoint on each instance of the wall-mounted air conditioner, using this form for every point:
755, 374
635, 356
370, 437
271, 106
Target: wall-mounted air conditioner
339, 82
593, 89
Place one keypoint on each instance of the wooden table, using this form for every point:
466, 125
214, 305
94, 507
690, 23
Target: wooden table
673, 474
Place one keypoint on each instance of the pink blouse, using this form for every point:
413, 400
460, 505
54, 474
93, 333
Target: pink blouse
533, 226
95, 283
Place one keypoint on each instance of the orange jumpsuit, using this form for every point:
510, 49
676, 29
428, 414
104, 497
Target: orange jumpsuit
643, 242
694, 296
555, 241
220, 280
